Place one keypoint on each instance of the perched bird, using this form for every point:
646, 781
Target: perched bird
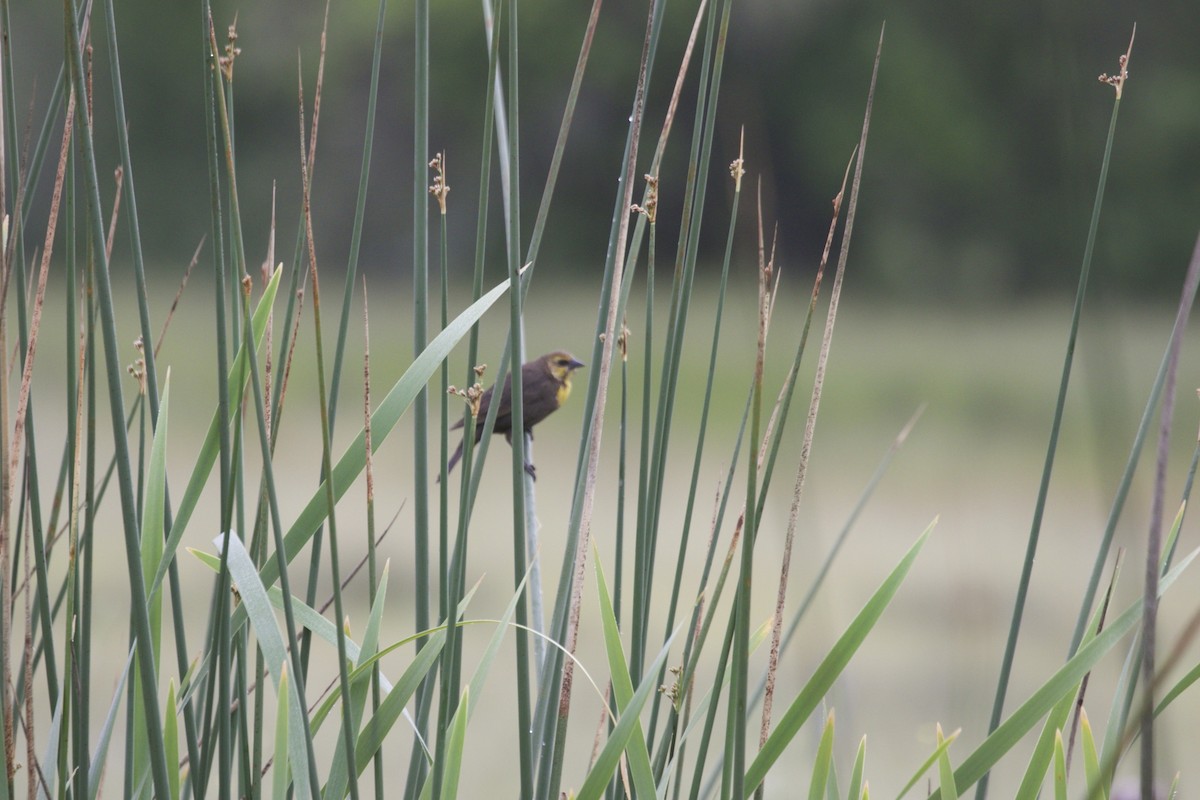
545, 385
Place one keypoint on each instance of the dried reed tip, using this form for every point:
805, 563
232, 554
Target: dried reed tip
138, 368
440, 188
232, 51
737, 169
119, 173
650, 210
479, 369
247, 285
1118, 81
623, 342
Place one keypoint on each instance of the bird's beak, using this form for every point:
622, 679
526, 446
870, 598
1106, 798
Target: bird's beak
575, 364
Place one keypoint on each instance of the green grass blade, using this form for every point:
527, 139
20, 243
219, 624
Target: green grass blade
1060, 768
383, 421
1021, 721
929, 762
207, 456
100, 754
622, 685
281, 773
945, 771
1010, 646
854, 791
456, 738
258, 607
823, 763
831, 667
171, 732
606, 762
335, 785
1091, 760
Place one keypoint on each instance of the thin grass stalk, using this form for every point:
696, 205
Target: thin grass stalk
307, 162
125, 181
485, 178
449, 586
736, 171
740, 660
597, 421
522, 482
545, 722
372, 570
348, 722
200, 770
711, 718
694, 197
21, 456
420, 410
440, 189
73, 746
116, 401
790, 383
809, 431
89, 490
1154, 537
360, 207
225, 639
272, 499
316, 551
1044, 487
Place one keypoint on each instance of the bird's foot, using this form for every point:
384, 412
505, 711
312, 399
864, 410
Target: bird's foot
531, 470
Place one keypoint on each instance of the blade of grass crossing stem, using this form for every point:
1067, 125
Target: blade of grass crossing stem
336, 783
383, 421
1021, 721
376, 729
622, 686
1043, 752
254, 600
619, 739
207, 456
140, 615
281, 770
830, 668
1044, 487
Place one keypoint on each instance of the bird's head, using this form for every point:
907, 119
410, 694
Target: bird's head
561, 364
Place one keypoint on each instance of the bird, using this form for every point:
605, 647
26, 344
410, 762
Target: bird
545, 386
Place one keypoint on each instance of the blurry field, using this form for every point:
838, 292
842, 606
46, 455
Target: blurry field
989, 377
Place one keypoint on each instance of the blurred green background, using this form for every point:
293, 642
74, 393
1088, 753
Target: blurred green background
988, 129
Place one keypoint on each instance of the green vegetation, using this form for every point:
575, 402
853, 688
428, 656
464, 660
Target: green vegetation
272, 629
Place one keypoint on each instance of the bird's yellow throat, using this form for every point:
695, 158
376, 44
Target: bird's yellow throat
564, 390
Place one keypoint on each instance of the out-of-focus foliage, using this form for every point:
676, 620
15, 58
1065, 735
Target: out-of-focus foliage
987, 132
